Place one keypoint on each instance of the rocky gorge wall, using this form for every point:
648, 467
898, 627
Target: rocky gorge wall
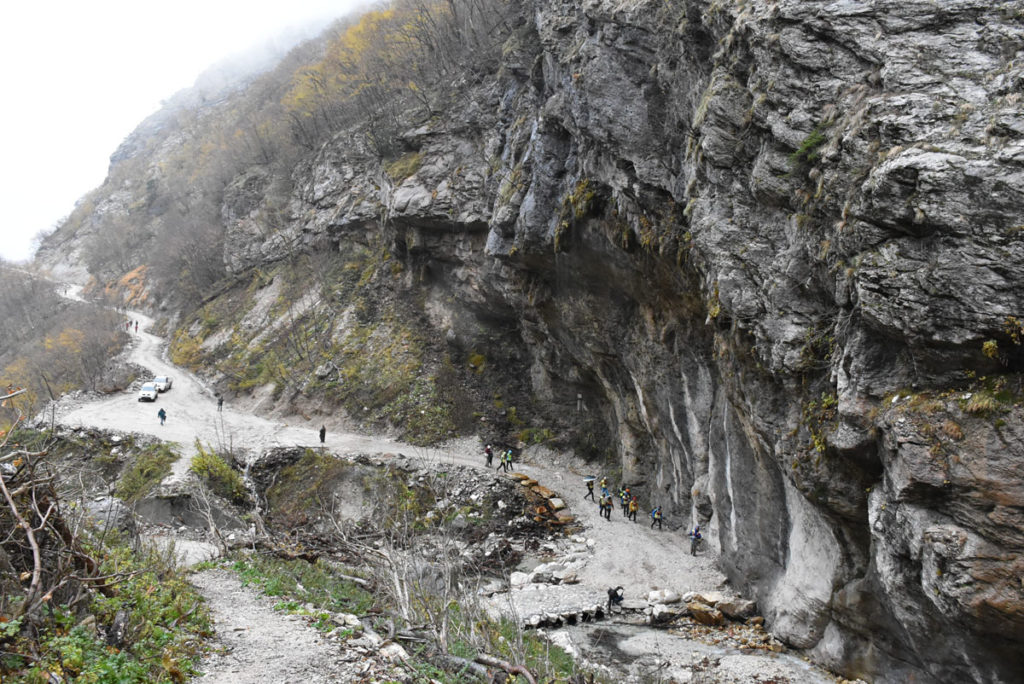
775, 246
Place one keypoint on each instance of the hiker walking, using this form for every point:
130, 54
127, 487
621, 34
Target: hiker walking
695, 538
607, 506
136, 327
508, 459
220, 404
656, 517
489, 453
162, 415
590, 490
634, 506
323, 434
604, 487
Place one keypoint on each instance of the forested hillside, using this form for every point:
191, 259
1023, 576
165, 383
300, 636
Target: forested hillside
50, 345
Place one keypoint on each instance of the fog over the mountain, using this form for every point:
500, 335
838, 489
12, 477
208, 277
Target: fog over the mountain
82, 77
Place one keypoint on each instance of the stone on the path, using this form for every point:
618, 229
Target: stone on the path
661, 596
634, 605
394, 652
556, 504
519, 579
544, 573
565, 576
543, 491
491, 588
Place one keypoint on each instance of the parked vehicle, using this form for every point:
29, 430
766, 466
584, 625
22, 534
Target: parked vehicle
162, 382
148, 392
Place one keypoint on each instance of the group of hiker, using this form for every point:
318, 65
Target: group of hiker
628, 501
504, 459
630, 504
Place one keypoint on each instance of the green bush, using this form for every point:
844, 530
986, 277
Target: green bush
218, 474
166, 626
810, 148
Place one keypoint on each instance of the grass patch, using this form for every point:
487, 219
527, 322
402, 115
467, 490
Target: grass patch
404, 166
982, 402
147, 470
322, 587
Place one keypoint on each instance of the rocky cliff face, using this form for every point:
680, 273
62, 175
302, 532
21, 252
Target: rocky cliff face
775, 246
767, 243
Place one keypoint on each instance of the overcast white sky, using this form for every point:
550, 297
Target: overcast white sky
79, 75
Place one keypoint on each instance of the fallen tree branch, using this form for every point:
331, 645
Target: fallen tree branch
485, 659
358, 580
460, 665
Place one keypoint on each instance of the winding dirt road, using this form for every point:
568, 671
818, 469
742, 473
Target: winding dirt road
192, 415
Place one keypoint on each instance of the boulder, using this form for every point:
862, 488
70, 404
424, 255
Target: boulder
737, 608
705, 614
556, 504
662, 613
710, 598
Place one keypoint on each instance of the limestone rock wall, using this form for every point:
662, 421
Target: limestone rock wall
749, 236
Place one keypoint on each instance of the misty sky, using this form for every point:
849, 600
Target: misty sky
79, 75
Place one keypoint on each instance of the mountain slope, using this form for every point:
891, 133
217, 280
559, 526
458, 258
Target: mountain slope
761, 253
